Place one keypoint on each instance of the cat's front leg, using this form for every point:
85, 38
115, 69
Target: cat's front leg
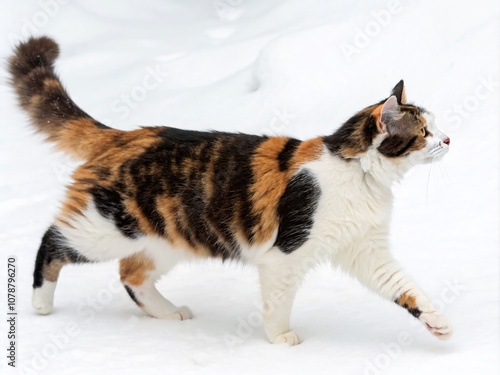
373, 265
278, 285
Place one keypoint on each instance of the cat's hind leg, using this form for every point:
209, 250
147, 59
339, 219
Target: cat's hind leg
53, 254
79, 235
139, 273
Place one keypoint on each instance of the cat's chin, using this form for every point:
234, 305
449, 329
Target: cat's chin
434, 158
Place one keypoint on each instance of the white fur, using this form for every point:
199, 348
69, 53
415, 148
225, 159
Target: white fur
98, 239
43, 297
436, 147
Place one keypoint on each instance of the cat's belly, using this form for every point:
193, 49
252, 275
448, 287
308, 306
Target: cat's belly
98, 239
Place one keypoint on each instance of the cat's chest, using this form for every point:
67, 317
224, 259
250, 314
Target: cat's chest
348, 206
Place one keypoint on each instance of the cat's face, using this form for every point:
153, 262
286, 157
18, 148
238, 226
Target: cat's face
437, 143
407, 131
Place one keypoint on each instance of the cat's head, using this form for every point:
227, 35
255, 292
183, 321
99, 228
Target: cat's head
394, 130
408, 130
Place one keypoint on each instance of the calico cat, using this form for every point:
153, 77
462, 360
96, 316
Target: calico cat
155, 196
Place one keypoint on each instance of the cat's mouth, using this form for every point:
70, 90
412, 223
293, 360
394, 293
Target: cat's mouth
437, 152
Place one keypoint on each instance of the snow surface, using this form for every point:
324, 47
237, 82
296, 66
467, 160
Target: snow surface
274, 67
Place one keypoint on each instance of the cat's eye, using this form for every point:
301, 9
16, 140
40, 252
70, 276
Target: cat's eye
423, 132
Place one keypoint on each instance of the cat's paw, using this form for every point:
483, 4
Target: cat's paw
289, 338
41, 306
43, 298
437, 325
182, 313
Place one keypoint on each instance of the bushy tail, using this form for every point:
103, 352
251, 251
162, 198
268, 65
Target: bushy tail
49, 106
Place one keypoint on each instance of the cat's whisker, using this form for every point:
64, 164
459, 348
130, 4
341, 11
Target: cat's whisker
444, 175
429, 179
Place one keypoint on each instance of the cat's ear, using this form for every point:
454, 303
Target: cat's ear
387, 113
399, 92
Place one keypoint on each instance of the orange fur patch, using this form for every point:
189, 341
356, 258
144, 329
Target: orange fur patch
270, 183
377, 114
81, 138
135, 268
75, 203
403, 95
168, 207
133, 209
51, 83
407, 301
111, 149
307, 151
51, 270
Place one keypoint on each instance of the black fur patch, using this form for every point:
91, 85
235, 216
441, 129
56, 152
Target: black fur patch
396, 146
177, 167
397, 91
344, 137
32, 54
415, 311
287, 153
53, 247
370, 130
295, 211
132, 295
110, 205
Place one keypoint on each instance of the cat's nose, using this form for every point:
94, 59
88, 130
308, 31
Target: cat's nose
447, 141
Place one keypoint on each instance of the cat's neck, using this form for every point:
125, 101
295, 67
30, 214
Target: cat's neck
380, 171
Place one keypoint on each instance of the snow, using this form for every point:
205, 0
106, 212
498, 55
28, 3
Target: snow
274, 67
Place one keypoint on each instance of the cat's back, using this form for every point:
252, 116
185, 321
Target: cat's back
210, 191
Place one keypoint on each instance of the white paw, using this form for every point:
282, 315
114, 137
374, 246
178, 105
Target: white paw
182, 313
437, 325
289, 338
43, 298
42, 307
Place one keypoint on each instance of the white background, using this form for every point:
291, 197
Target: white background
297, 68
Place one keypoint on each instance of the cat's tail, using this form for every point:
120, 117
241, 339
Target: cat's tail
51, 110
